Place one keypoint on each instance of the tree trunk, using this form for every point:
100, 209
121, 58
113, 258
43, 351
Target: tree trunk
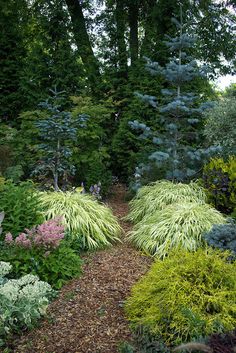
133, 34
83, 43
57, 163
120, 31
157, 24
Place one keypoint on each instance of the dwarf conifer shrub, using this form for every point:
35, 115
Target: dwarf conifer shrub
222, 236
156, 196
179, 225
187, 296
84, 218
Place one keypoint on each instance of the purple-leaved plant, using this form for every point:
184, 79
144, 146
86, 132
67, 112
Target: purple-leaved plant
46, 236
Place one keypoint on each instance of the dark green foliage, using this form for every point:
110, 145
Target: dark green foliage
147, 342
12, 52
128, 149
219, 179
50, 58
222, 236
24, 148
55, 267
21, 206
14, 173
125, 347
91, 152
7, 141
233, 214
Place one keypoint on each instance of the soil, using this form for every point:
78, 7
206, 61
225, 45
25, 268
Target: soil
88, 315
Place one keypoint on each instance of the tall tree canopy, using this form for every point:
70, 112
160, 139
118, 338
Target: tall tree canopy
96, 48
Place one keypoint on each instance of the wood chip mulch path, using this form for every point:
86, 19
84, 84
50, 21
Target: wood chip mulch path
88, 316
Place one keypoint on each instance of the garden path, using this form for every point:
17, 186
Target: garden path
88, 315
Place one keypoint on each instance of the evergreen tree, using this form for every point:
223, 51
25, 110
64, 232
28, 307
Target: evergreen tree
178, 138
57, 131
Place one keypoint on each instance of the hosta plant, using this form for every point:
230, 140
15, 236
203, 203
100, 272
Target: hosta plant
158, 195
179, 225
23, 301
84, 218
185, 297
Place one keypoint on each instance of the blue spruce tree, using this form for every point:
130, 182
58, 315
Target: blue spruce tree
178, 143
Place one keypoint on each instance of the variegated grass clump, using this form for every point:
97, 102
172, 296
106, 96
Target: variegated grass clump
87, 220
179, 225
158, 195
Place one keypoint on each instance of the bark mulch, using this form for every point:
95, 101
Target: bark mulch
88, 316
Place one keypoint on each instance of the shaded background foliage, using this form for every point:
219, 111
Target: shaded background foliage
94, 49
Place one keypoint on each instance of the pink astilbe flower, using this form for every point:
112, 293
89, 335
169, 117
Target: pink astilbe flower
46, 236
49, 234
23, 240
9, 238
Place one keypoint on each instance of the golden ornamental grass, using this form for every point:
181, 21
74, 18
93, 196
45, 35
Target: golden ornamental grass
179, 225
158, 195
92, 222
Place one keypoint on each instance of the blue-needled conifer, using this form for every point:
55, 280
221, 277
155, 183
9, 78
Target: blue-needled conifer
178, 142
57, 132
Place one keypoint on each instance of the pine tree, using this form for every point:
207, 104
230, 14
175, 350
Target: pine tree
178, 140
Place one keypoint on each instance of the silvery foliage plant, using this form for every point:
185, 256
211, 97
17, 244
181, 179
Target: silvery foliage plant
23, 301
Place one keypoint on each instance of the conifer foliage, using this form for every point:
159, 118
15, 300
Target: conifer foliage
178, 142
57, 132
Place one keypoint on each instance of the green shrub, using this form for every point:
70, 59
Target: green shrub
14, 173
156, 196
219, 179
233, 214
23, 301
84, 218
55, 267
21, 206
92, 151
178, 225
185, 297
222, 236
220, 127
